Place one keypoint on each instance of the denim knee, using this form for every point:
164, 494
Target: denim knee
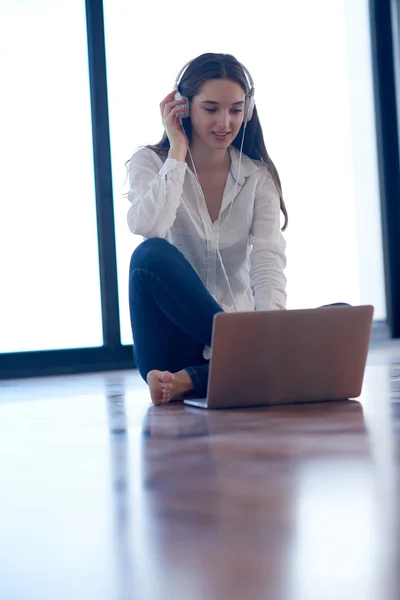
150, 253
335, 304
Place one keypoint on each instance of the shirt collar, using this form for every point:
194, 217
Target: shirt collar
247, 166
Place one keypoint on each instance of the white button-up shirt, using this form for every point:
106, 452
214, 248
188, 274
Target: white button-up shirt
166, 202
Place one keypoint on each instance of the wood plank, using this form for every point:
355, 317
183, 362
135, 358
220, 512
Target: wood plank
106, 496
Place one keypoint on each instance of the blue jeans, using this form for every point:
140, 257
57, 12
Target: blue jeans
171, 313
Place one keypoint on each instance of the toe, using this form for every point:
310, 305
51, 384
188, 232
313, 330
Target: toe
167, 377
155, 385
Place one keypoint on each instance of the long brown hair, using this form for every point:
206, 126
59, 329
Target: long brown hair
224, 66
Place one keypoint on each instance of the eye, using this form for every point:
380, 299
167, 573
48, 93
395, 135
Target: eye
213, 110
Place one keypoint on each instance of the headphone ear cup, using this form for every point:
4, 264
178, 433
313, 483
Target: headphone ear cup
248, 107
184, 113
186, 106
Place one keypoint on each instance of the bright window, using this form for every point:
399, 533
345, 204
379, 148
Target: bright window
312, 70
50, 292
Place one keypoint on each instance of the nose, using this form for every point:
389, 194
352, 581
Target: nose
223, 121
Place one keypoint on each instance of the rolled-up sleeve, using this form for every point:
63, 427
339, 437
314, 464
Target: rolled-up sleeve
267, 257
155, 193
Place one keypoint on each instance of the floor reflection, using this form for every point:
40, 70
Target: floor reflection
382, 420
394, 374
166, 422
121, 493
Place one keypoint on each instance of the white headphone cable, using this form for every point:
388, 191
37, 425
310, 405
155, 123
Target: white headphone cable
230, 209
219, 229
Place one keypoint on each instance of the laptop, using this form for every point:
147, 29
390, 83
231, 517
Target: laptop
287, 356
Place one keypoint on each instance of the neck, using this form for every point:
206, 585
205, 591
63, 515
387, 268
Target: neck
206, 159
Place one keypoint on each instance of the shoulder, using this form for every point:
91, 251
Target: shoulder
250, 168
146, 157
264, 173
264, 182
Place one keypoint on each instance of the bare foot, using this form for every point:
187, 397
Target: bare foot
165, 386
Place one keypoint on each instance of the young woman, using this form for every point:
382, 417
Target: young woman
208, 198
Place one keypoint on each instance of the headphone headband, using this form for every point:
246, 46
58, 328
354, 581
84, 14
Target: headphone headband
249, 79
177, 80
248, 76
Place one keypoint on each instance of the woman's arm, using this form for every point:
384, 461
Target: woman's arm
155, 194
267, 258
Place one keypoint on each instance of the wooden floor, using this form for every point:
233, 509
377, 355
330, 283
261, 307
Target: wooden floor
103, 496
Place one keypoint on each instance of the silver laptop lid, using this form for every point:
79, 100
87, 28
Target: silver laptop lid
273, 357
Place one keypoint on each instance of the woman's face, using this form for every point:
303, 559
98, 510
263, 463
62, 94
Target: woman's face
217, 108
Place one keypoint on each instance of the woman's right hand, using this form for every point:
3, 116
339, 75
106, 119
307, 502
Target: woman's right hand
176, 135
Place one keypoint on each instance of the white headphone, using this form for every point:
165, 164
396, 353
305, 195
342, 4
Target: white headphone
248, 113
249, 98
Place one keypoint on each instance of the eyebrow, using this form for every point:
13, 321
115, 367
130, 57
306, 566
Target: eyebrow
214, 102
